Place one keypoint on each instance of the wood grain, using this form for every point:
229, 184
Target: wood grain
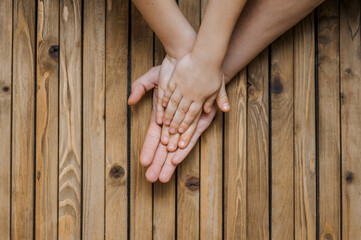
304, 129
70, 120
117, 18
257, 148
188, 171
141, 190
164, 195
282, 137
235, 160
211, 175
6, 12
46, 206
350, 70
93, 120
22, 220
329, 120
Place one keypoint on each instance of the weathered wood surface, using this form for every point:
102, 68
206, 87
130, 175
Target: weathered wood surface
284, 163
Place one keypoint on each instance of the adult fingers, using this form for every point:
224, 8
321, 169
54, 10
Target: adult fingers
167, 170
222, 100
150, 144
154, 169
143, 84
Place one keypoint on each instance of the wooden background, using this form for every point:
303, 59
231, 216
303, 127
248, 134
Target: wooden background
283, 164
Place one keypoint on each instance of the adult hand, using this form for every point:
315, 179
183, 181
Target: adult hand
160, 162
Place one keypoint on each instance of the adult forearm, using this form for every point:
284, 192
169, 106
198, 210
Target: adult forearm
260, 23
169, 24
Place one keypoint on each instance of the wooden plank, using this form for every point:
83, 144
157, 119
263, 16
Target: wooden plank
329, 120
350, 70
93, 120
116, 119
211, 174
141, 190
22, 220
46, 206
257, 149
70, 120
304, 129
235, 160
282, 137
163, 193
188, 170
6, 17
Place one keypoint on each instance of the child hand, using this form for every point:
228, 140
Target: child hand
193, 84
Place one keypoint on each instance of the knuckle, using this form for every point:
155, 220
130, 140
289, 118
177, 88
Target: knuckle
174, 101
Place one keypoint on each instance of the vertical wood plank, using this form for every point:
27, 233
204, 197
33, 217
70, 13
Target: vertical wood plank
70, 120
211, 175
257, 149
23, 120
46, 206
235, 160
282, 137
188, 171
6, 17
93, 119
304, 129
117, 18
350, 70
329, 120
163, 194
141, 190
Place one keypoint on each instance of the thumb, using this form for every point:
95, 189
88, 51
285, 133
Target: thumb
143, 84
222, 100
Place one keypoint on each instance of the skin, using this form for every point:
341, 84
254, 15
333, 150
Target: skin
198, 76
271, 18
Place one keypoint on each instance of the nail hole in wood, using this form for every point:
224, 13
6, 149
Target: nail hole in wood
6, 89
38, 175
192, 184
116, 172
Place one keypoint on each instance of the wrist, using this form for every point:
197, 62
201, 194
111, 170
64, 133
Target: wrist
181, 44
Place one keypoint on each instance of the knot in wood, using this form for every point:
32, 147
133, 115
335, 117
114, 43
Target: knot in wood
54, 51
6, 89
192, 184
349, 177
116, 172
276, 85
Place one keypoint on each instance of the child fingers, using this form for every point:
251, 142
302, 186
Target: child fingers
160, 109
165, 135
168, 93
186, 137
192, 113
179, 115
173, 142
207, 106
154, 169
167, 170
172, 107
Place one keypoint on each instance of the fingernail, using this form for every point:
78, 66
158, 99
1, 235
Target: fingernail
172, 130
159, 121
225, 106
171, 146
167, 122
209, 110
164, 104
164, 139
181, 130
182, 144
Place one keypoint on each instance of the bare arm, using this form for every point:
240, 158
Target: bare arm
169, 24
